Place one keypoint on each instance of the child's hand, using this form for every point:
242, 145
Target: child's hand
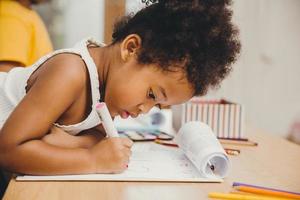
111, 155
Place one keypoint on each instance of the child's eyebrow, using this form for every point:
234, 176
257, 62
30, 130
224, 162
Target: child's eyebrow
162, 90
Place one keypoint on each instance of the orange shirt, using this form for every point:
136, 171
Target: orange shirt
23, 36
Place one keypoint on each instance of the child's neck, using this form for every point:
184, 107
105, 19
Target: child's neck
105, 58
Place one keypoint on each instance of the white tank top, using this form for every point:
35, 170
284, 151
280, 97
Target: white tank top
13, 84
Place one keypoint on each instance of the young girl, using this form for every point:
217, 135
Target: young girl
163, 55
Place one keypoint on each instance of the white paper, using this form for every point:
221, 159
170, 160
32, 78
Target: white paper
154, 162
149, 162
201, 146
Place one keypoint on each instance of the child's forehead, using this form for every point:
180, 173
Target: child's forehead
179, 93
171, 78
177, 74
174, 81
170, 70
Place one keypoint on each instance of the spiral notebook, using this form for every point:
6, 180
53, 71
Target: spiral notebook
155, 162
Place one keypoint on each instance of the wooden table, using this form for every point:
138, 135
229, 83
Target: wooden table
274, 163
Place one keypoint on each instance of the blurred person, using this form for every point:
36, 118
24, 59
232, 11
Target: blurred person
23, 35
23, 39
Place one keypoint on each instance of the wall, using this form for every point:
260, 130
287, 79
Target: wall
266, 78
83, 19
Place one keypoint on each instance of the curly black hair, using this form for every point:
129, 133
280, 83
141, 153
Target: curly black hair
194, 35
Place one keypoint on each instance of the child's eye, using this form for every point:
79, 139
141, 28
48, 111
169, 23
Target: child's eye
159, 106
151, 94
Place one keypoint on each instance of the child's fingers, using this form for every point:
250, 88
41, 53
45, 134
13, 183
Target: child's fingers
128, 153
127, 142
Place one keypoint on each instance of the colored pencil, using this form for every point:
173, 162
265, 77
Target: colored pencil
235, 184
234, 139
217, 195
239, 143
268, 192
228, 149
232, 152
172, 144
166, 143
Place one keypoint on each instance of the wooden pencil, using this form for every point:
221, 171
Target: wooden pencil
238, 143
269, 192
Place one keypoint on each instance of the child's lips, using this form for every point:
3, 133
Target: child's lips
125, 114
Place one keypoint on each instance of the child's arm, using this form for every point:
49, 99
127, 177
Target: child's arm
86, 139
55, 90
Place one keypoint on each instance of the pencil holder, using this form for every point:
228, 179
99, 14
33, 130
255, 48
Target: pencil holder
224, 117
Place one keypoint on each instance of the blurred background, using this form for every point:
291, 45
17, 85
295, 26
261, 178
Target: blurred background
266, 78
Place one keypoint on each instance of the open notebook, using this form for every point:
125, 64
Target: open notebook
205, 162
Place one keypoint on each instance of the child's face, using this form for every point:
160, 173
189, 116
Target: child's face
133, 89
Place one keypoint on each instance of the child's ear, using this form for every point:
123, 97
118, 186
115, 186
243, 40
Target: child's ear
129, 46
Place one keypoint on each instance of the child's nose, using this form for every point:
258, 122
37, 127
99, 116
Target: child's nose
145, 107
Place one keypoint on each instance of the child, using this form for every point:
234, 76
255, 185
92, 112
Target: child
163, 55
24, 37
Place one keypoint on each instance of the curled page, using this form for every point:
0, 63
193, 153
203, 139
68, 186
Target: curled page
200, 145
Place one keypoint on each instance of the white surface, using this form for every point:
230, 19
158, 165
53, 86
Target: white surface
149, 162
200, 145
82, 20
266, 77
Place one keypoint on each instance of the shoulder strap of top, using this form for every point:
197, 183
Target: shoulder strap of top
93, 118
82, 46
81, 49
43, 59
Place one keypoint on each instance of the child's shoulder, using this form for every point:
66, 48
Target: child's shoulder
67, 60
66, 64
66, 68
